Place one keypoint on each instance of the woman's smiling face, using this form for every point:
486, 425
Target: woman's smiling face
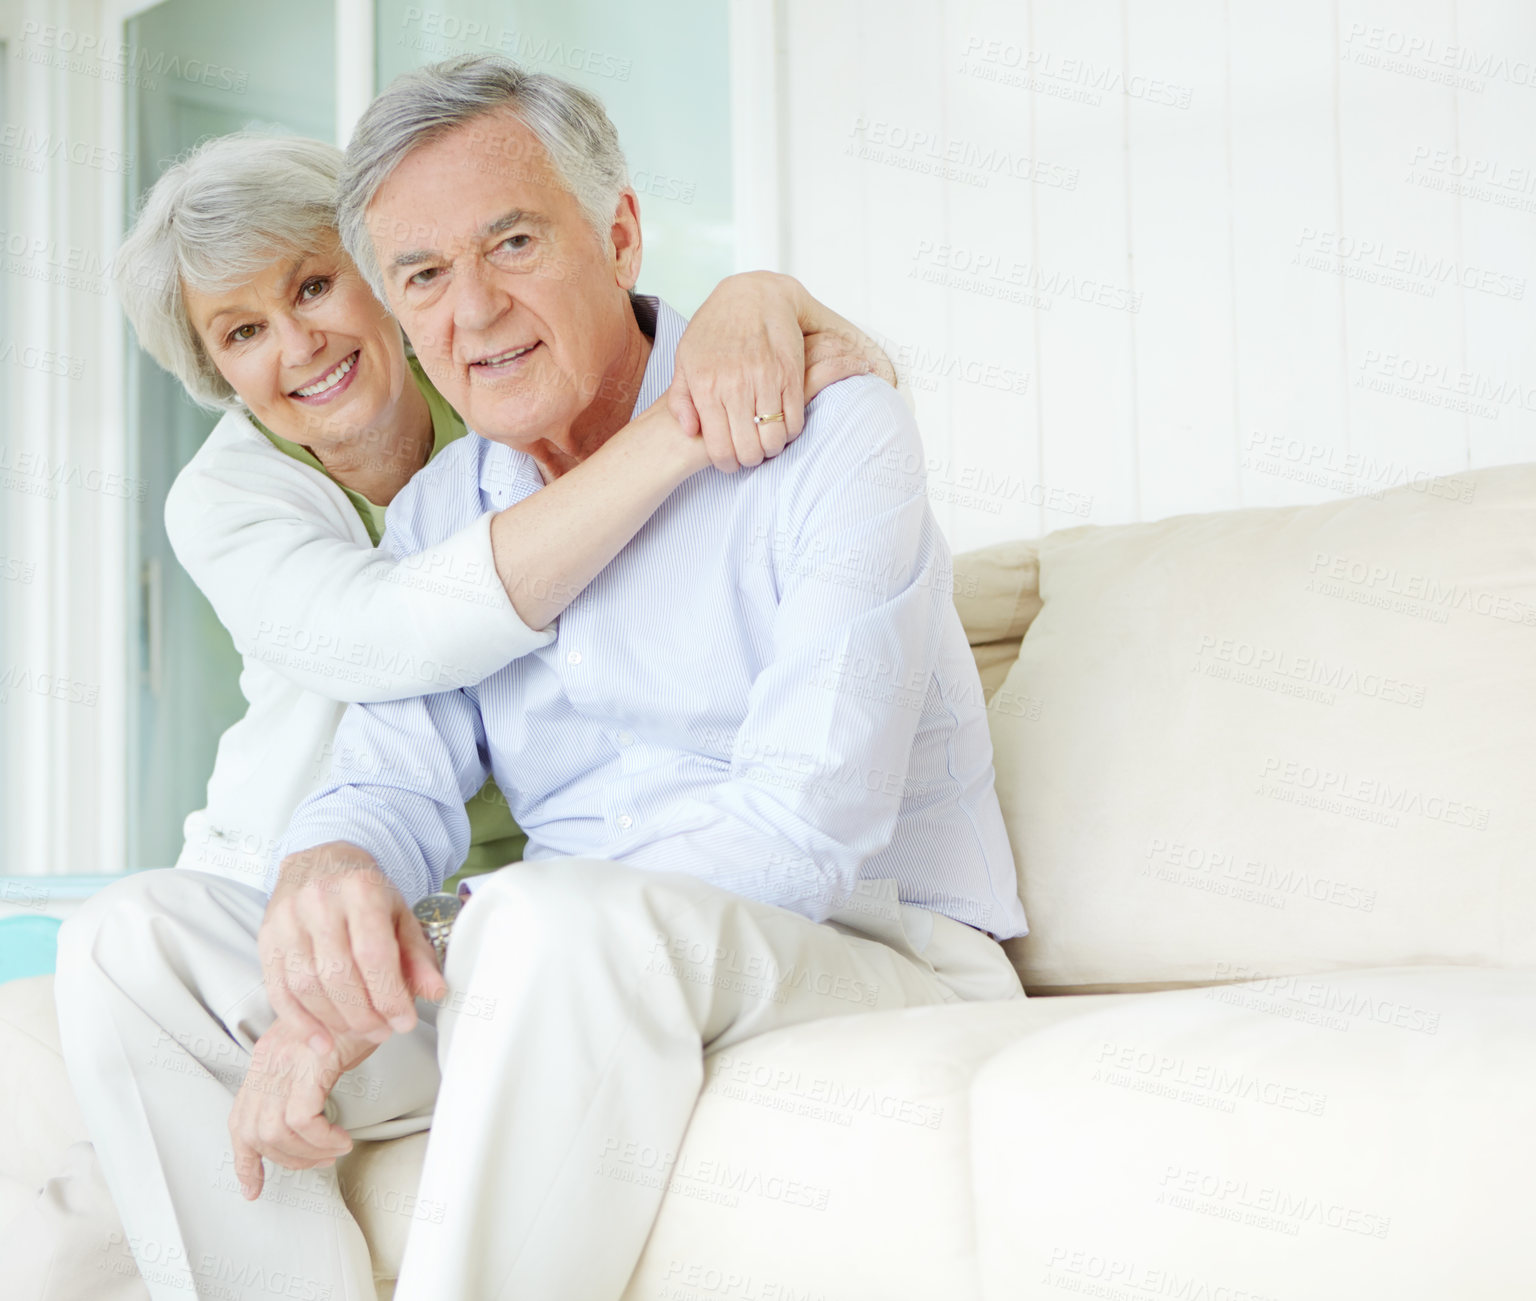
307, 347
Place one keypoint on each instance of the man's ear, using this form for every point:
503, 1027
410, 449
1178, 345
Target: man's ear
625, 237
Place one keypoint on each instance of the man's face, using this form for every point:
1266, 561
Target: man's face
517, 309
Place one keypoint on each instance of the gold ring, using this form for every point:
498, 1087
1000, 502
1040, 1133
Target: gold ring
768, 419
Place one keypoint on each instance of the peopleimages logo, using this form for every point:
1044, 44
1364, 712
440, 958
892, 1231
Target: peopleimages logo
1412, 268
1101, 1274
434, 31
1430, 59
1154, 1066
1063, 76
1353, 472
22, 142
1433, 592
952, 158
1284, 663
1475, 170
1181, 863
1000, 275
112, 60
1339, 785
1292, 1207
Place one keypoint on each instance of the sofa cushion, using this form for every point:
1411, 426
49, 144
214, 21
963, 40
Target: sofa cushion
852, 1129
833, 1159
40, 1118
66, 1242
997, 594
379, 1182
1365, 1134
1278, 740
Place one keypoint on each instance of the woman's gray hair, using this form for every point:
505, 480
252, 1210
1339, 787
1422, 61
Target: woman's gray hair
427, 103
217, 217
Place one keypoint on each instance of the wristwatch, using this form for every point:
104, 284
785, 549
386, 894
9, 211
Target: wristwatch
436, 913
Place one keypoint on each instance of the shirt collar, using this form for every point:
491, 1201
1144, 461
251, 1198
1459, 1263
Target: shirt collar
669, 329
521, 471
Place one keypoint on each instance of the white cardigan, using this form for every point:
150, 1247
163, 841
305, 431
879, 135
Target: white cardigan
321, 619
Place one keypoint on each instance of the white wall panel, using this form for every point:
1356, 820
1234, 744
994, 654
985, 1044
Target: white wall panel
1288, 319
1180, 198
978, 369
1079, 252
1323, 215
895, 142
1486, 175
1399, 261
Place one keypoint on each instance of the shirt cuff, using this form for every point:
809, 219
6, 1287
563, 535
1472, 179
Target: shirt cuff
369, 833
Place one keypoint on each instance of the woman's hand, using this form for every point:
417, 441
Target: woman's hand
742, 355
760, 344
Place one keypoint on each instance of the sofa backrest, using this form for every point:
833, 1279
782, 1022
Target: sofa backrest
1269, 741
997, 592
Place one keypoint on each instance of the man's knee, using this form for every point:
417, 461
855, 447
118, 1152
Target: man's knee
567, 903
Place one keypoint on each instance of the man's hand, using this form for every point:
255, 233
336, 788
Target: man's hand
279, 1111
343, 957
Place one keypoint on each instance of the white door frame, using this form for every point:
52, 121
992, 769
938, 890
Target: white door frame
757, 139
66, 750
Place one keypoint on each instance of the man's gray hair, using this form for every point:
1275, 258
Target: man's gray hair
425, 104
215, 219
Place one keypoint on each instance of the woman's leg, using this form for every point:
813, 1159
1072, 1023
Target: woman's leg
161, 999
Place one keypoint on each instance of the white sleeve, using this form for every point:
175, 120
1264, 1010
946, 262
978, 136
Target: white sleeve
276, 556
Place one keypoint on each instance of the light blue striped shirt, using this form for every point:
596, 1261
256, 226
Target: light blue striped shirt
768, 688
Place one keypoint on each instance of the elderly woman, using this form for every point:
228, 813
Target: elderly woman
235, 281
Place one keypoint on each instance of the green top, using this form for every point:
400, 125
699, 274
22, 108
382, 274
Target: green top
494, 838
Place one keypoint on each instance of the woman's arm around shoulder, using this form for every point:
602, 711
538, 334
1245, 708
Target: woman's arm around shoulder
287, 565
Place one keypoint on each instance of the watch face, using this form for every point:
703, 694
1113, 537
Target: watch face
437, 909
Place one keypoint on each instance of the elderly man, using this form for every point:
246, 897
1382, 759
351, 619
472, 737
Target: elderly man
787, 814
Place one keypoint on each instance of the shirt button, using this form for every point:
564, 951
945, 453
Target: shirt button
625, 821
573, 657
626, 738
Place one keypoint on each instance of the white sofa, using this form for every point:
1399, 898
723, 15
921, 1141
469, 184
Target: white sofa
1269, 778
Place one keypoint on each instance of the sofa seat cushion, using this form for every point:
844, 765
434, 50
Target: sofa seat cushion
834, 1159
39, 1117
828, 1159
1365, 1135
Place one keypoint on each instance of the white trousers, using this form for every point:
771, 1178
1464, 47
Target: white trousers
583, 995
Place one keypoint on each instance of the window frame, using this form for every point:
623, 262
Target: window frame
66, 766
